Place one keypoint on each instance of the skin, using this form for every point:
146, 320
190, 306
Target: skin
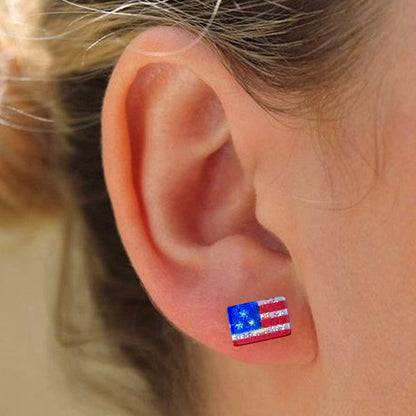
205, 200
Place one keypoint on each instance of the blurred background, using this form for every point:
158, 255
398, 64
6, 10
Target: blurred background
39, 375
33, 365
32, 382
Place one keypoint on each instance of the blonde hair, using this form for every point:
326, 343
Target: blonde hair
290, 55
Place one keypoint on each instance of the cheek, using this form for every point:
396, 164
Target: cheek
352, 242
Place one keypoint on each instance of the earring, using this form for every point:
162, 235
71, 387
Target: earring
259, 320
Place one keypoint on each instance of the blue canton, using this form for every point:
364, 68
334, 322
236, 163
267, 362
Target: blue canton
244, 317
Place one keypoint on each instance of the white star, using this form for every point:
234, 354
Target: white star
243, 313
251, 322
239, 325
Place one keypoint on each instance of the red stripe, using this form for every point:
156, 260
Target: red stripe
275, 321
270, 307
264, 337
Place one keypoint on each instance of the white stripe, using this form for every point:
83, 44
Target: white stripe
271, 300
274, 314
263, 331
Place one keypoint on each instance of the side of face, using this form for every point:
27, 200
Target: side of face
349, 209
350, 226
207, 187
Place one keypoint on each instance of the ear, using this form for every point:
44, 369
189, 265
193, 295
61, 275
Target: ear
179, 152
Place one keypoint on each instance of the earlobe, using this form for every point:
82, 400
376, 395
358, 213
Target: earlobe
180, 178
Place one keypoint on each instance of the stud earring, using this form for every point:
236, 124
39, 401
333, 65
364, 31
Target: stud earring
259, 320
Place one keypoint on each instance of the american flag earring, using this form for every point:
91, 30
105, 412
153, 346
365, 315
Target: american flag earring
259, 320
